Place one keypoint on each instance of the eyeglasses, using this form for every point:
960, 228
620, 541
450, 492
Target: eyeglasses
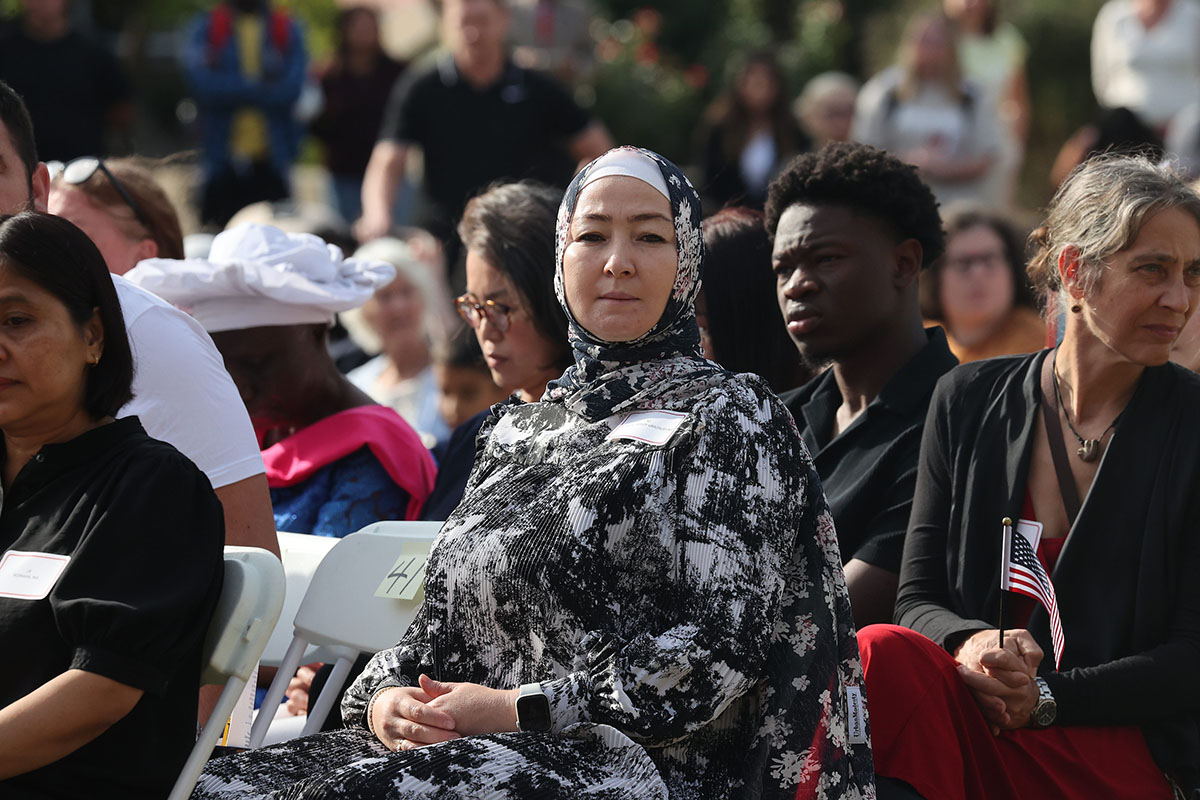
80, 170
473, 311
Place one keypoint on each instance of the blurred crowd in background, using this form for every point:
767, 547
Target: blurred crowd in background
358, 121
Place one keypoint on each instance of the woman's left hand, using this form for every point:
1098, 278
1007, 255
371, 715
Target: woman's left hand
476, 709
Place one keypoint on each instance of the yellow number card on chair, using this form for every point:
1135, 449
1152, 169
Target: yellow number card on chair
405, 578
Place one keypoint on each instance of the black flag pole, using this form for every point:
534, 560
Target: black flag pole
1005, 556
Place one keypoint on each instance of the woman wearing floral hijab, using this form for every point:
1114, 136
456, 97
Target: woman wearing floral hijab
646, 553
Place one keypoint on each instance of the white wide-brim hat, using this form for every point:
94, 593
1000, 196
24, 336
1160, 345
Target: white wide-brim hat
257, 276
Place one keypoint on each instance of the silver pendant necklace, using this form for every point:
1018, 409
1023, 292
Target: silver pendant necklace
1089, 449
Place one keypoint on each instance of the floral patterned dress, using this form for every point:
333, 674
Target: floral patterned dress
652, 545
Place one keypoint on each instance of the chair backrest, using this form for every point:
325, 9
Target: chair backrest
341, 609
251, 600
246, 612
302, 554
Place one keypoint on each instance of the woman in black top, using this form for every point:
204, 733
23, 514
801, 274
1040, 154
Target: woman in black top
110, 541
750, 135
1105, 419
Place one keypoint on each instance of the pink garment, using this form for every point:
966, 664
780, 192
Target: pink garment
391, 440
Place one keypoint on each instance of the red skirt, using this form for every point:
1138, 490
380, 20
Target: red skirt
927, 731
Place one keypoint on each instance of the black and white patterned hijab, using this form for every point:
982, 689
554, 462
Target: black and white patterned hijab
665, 364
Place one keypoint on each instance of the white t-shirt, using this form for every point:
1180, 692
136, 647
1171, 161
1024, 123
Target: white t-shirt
934, 119
1153, 72
181, 390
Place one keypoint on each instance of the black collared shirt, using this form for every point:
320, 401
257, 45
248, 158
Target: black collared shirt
144, 532
516, 128
869, 470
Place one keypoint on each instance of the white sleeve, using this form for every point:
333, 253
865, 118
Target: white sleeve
184, 396
871, 111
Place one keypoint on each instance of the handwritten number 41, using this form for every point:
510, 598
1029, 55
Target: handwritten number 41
402, 572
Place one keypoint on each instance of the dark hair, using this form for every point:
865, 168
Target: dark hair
61, 259
344, 18
730, 114
1014, 258
744, 322
162, 223
512, 226
868, 181
19, 124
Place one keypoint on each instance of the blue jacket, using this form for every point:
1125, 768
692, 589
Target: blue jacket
216, 80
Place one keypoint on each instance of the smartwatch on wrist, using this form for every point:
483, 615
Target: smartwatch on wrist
1046, 709
533, 708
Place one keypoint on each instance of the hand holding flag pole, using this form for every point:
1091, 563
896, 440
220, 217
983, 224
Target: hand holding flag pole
1005, 555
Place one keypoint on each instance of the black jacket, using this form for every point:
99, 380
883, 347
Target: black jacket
1128, 579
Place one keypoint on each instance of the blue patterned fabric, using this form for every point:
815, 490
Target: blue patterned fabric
340, 498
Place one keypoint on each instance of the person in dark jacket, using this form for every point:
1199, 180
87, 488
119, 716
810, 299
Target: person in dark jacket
1090, 449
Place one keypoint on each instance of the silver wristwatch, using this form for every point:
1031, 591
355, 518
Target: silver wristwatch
1046, 709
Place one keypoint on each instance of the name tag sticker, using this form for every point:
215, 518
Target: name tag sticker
404, 579
651, 427
1032, 531
856, 716
30, 576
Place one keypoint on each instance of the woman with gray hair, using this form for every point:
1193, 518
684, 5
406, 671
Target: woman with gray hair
1103, 418
402, 315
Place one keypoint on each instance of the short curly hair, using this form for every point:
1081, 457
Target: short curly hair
866, 180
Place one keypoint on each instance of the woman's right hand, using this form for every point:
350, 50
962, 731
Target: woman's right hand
401, 717
1001, 679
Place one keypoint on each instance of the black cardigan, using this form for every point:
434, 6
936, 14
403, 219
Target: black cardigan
1128, 579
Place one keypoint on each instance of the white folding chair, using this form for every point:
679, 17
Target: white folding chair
301, 554
246, 612
341, 614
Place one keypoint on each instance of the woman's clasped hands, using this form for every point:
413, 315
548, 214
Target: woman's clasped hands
1001, 679
405, 717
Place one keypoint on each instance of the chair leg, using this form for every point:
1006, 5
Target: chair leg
287, 668
208, 739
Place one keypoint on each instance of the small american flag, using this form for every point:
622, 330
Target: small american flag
1026, 575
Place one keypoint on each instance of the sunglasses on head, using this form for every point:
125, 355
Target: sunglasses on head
80, 170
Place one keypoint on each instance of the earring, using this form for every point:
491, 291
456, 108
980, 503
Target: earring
1075, 309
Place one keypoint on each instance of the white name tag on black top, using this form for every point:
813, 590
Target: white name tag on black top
30, 576
651, 427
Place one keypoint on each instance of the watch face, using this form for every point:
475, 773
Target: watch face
1045, 712
533, 712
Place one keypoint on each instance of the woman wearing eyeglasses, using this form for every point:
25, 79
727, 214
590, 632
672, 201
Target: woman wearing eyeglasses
978, 291
508, 232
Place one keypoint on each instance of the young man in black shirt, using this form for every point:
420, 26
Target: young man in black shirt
852, 229
478, 118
